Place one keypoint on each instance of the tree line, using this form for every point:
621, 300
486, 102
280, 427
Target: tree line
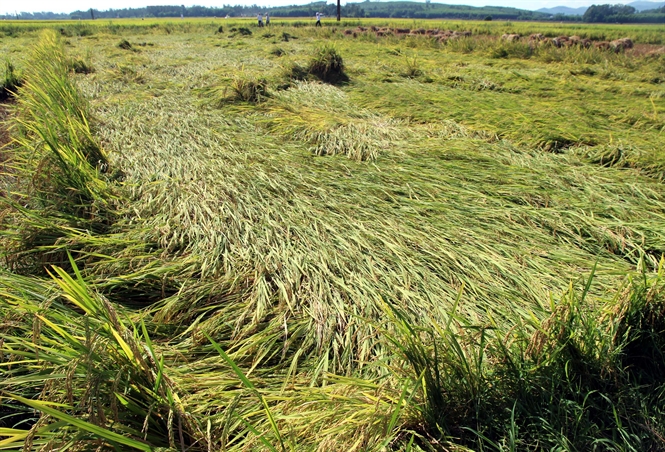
397, 9
622, 14
400, 9
615, 14
403, 9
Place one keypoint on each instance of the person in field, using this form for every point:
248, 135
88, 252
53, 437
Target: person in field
259, 17
318, 20
268, 19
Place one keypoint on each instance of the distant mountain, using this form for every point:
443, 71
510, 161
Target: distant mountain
566, 10
638, 5
643, 6
420, 10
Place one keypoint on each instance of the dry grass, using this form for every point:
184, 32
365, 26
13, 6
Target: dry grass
324, 117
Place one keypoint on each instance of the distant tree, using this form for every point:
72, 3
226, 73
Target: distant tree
488, 18
607, 13
353, 10
363, 8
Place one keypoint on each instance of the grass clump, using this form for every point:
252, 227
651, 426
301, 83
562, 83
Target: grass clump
278, 52
328, 66
55, 158
249, 90
241, 88
294, 72
9, 82
571, 380
413, 69
82, 64
126, 45
144, 411
242, 31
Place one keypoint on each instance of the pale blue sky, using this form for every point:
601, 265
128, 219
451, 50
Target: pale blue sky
66, 6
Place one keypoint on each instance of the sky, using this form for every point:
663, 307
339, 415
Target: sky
67, 6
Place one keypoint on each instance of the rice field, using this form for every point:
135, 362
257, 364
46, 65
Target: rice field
223, 237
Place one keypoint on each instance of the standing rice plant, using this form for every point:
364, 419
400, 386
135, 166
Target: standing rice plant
9, 82
82, 64
54, 140
412, 69
55, 159
249, 90
573, 378
639, 328
77, 373
327, 65
126, 45
241, 88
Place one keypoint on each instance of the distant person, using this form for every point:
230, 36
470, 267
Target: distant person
268, 19
318, 20
259, 17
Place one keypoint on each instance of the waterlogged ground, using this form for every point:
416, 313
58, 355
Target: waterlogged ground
477, 174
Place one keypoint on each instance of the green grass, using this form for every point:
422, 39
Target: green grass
9, 82
641, 33
460, 248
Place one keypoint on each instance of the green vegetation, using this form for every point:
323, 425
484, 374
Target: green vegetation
9, 82
621, 14
407, 9
207, 248
391, 9
246, 90
328, 66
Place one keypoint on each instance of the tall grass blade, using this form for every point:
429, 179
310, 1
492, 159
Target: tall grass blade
83, 425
